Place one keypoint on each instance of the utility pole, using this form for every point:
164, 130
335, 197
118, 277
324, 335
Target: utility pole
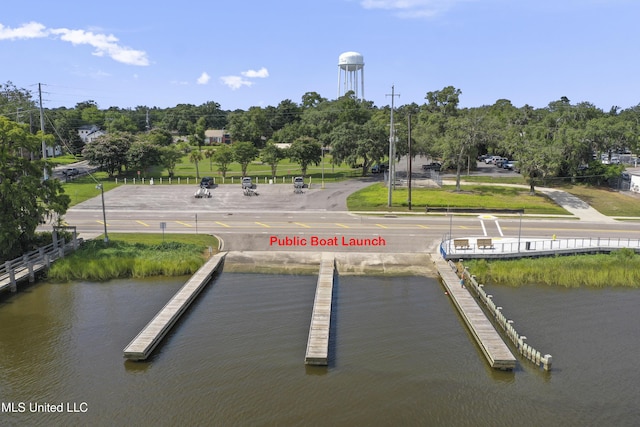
392, 136
409, 159
45, 174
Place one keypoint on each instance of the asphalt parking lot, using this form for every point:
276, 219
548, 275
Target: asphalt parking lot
230, 197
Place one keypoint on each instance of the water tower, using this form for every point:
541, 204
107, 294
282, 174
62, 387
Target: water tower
349, 64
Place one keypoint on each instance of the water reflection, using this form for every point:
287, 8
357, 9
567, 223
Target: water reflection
400, 355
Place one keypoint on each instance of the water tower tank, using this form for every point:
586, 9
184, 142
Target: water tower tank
351, 74
351, 61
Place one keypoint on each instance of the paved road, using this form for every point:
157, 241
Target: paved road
266, 221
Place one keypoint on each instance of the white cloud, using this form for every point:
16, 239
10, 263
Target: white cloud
260, 74
31, 30
203, 79
235, 82
102, 43
412, 8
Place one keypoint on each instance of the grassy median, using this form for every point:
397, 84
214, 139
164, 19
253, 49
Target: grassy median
375, 197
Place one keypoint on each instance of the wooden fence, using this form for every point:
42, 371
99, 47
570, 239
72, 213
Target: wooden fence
25, 267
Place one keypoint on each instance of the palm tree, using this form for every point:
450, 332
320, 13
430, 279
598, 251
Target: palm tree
194, 157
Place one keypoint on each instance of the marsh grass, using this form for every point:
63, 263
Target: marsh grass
618, 269
95, 261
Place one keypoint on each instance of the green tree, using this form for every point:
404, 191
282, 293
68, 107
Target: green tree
209, 153
354, 144
90, 113
244, 153
464, 133
286, 112
538, 155
142, 155
272, 155
159, 137
223, 158
195, 157
444, 101
25, 199
252, 125
16, 103
117, 121
305, 151
169, 157
109, 151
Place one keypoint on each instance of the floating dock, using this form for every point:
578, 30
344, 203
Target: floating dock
318, 342
493, 347
146, 341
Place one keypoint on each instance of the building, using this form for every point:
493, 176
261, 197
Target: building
216, 136
89, 132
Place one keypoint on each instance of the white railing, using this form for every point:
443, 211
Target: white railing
533, 246
27, 265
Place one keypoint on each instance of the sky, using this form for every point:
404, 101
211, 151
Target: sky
245, 53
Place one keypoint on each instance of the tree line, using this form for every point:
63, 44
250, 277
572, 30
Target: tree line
563, 139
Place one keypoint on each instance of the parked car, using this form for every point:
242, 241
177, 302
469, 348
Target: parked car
71, 172
206, 182
433, 166
246, 182
298, 182
379, 168
499, 161
509, 165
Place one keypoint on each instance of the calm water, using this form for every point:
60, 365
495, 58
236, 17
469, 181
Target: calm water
401, 356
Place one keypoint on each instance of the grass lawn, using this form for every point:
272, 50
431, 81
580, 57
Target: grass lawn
504, 179
257, 169
67, 159
375, 197
605, 200
84, 188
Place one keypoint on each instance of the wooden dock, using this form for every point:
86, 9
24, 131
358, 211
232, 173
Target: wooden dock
493, 347
146, 341
318, 342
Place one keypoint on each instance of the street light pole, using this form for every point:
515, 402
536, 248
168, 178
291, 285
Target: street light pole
519, 232
104, 214
450, 228
322, 167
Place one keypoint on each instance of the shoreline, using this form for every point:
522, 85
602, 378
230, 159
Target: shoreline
347, 263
